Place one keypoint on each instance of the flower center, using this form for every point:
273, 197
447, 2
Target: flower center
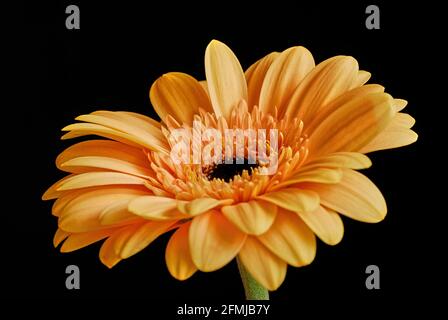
227, 172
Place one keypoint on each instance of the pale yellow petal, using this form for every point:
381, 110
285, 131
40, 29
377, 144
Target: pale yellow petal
225, 78
325, 223
315, 174
284, 75
268, 269
178, 95
290, 239
361, 78
214, 241
350, 160
253, 217
177, 254
293, 199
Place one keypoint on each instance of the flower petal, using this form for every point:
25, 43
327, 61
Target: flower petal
290, 239
137, 237
353, 125
214, 241
92, 179
80, 240
283, 77
263, 265
59, 236
293, 199
177, 254
355, 197
316, 174
255, 75
156, 208
178, 95
200, 205
396, 134
82, 214
325, 223
225, 78
253, 217
118, 213
350, 160
325, 82
107, 253
361, 78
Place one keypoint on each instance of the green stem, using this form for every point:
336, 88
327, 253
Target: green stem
253, 290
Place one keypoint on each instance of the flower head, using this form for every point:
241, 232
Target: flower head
129, 189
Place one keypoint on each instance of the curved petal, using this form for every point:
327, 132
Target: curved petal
353, 125
325, 223
361, 78
80, 240
156, 208
283, 77
316, 174
263, 265
135, 238
255, 75
293, 199
325, 82
82, 214
118, 214
214, 241
200, 205
178, 95
59, 236
107, 253
350, 160
290, 239
177, 254
355, 197
396, 134
93, 179
253, 217
225, 78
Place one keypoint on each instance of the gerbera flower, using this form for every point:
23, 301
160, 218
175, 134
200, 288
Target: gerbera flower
128, 190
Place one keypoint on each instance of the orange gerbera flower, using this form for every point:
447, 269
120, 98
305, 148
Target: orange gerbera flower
128, 190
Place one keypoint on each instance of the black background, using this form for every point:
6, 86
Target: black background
111, 62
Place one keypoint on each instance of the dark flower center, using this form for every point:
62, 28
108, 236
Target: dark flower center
227, 172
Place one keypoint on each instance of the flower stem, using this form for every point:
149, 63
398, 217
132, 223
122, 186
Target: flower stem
253, 290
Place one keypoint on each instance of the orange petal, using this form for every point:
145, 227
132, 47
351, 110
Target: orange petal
290, 239
225, 78
319, 174
255, 76
361, 78
103, 148
80, 240
396, 134
355, 197
59, 236
263, 265
118, 213
156, 208
200, 205
253, 217
82, 213
325, 82
137, 237
325, 223
214, 241
350, 160
177, 254
178, 95
353, 125
93, 179
107, 253
283, 77
293, 199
